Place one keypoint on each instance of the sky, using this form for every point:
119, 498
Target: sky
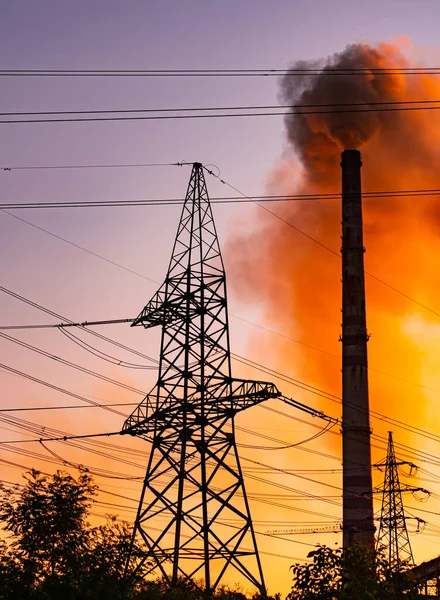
81, 286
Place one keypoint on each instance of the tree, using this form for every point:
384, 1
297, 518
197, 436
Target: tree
356, 573
108, 551
52, 552
47, 523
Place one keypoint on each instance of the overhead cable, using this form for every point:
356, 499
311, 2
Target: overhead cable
84, 328
63, 438
79, 247
219, 115
67, 407
57, 388
45, 326
199, 109
327, 70
71, 364
140, 202
321, 244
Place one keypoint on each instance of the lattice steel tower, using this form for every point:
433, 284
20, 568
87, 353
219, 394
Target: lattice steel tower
193, 515
393, 534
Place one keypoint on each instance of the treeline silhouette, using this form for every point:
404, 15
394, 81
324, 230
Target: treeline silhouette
50, 551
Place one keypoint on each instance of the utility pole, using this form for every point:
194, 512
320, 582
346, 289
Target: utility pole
393, 534
357, 519
193, 518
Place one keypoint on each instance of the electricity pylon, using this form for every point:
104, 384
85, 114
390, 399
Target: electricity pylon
193, 515
393, 533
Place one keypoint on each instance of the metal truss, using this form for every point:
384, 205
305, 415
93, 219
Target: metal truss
393, 533
193, 517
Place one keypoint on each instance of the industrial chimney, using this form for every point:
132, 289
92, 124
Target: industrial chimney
357, 518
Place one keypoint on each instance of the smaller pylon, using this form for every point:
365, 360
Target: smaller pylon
393, 533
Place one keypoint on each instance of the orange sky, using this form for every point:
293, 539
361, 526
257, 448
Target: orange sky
276, 277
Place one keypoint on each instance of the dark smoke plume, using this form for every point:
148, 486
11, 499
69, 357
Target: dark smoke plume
297, 282
318, 139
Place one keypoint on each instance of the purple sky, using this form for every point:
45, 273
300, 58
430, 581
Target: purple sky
109, 34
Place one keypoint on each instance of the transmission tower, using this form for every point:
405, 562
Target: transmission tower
193, 517
393, 533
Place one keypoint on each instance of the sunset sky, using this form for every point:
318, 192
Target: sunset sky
284, 290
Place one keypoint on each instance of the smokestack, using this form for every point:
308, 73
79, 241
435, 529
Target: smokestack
357, 518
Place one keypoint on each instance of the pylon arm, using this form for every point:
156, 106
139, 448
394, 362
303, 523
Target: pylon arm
404, 487
153, 313
161, 311
246, 393
167, 306
149, 416
141, 415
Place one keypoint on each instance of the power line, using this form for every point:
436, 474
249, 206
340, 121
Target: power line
82, 325
338, 400
64, 319
115, 382
327, 70
331, 354
38, 408
78, 396
107, 166
423, 456
95, 254
35, 429
269, 211
18, 327
219, 115
71, 364
64, 325
53, 458
99, 353
66, 437
50, 312
57, 388
286, 445
140, 275
72, 437
297, 382
63, 438
130, 509
48, 433
203, 109
386, 194
186, 536
322, 245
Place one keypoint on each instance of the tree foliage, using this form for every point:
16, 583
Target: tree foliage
358, 573
51, 551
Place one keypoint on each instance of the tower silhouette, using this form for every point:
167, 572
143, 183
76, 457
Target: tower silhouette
193, 517
393, 533
357, 495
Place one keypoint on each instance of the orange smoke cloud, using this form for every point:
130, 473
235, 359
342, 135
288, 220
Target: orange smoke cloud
298, 281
